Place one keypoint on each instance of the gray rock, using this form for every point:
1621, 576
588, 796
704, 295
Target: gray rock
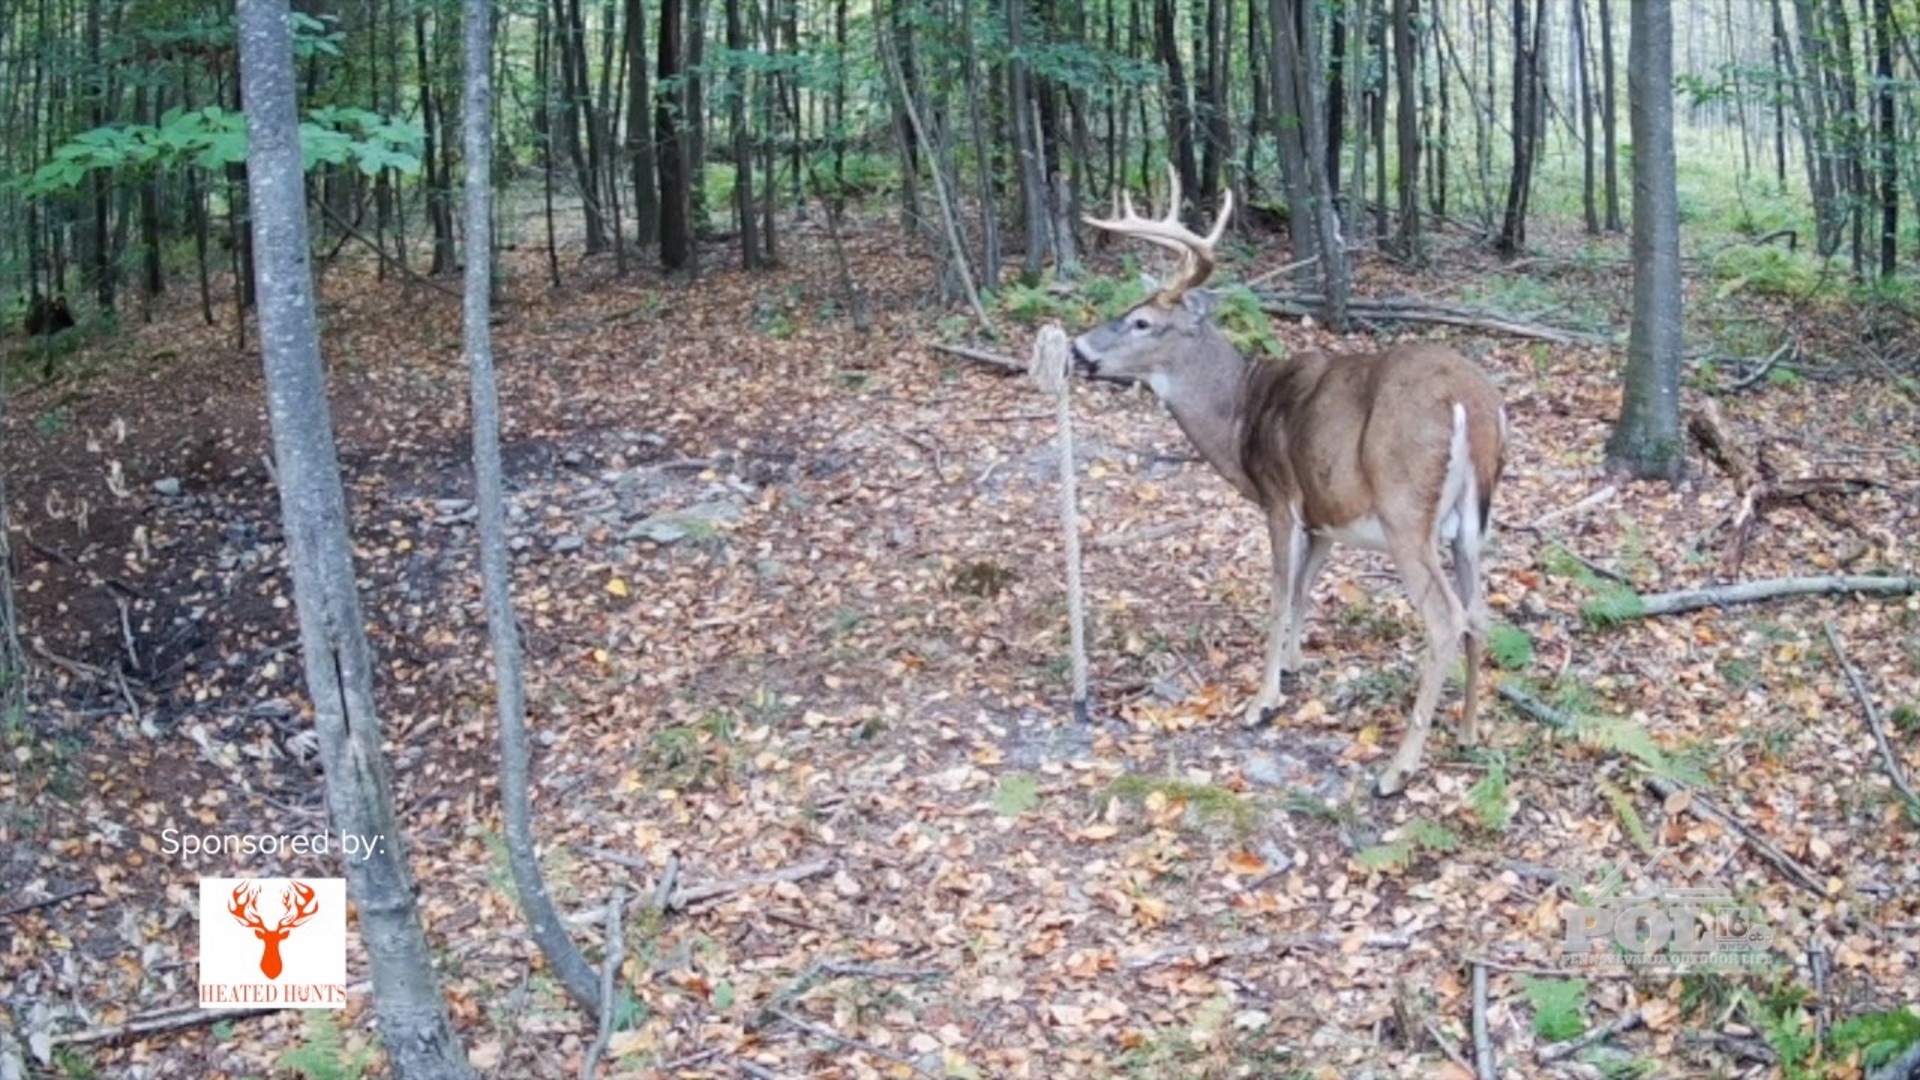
168, 487
568, 544
699, 520
449, 507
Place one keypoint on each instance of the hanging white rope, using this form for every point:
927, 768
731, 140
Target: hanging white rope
1049, 369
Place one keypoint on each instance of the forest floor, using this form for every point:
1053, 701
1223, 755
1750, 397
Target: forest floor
793, 605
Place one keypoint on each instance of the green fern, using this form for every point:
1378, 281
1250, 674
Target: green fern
1387, 858
1879, 1037
1510, 647
1559, 1006
1489, 799
1623, 809
1612, 604
322, 1053
1432, 836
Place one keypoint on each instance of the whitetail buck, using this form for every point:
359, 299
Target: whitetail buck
1394, 451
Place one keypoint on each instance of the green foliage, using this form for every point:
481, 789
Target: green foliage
1415, 837
1016, 794
1629, 815
1559, 1006
1765, 270
1237, 311
212, 138
1906, 718
1877, 1037
322, 1053
1488, 798
1510, 647
1206, 802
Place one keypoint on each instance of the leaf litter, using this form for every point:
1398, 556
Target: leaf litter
792, 596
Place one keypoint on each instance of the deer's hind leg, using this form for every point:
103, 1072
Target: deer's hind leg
1440, 609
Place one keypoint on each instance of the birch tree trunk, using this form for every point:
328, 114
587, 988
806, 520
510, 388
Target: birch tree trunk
414, 1026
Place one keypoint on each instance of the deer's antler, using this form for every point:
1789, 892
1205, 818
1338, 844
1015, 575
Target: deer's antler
1195, 251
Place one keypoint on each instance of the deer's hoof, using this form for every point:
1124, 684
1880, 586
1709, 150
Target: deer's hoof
1260, 712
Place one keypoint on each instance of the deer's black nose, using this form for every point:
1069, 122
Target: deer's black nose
1082, 363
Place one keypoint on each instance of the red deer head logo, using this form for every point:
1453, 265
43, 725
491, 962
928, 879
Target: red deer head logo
299, 905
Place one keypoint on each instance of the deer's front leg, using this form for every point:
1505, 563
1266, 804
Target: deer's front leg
1290, 556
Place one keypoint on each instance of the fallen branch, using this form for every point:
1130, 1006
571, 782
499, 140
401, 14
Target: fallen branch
981, 356
1753, 592
1859, 684
851, 1043
1298, 304
1695, 803
155, 1023
1446, 1046
1147, 534
693, 894
1756, 483
1260, 946
1766, 366
1580, 507
1555, 1051
609, 972
1482, 1040
1698, 806
385, 257
21, 907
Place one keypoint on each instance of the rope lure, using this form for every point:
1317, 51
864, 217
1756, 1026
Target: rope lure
1049, 368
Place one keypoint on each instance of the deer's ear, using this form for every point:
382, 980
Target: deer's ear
1199, 302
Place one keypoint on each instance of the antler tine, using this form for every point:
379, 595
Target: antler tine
1195, 251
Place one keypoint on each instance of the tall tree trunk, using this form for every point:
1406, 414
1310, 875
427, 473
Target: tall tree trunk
676, 205
1179, 95
1407, 126
1027, 146
510, 699
1340, 14
1526, 86
415, 1029
1609, 122
1589, 196
1646, 442
640, 148
1885, 146
736, 86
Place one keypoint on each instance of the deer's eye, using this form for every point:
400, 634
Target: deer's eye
1140, 322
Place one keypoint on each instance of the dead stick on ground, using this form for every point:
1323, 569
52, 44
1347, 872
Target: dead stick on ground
385, 256
982, 356
1581, 507
1482, 1041
693, 894
609, 973
61, 897
849, 1042
1261, 946
156, 1023
1699, 807
1859, 684
1446, 1046
1696, 803
1753, 592
1560, 1050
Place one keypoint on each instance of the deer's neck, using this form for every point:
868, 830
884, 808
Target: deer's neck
1208, 399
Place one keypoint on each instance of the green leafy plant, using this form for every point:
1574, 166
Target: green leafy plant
1016, 794
1877, 1037
322, 1053
1510, 647
1559, 1006
1488, 798
1414, 837
1206, 802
